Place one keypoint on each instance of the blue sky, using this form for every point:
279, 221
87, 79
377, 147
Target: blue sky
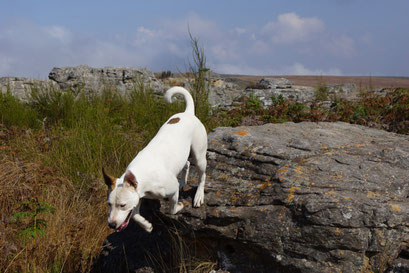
280, 37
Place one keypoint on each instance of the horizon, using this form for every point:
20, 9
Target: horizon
326, 37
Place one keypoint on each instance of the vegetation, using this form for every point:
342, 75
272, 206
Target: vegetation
35, 226
199, 83
321, 91
390, 112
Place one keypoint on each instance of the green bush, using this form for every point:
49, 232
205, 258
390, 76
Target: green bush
200, 82
322, 92
17, 113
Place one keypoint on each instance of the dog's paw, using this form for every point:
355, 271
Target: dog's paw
178, 207
148, 228
199, 198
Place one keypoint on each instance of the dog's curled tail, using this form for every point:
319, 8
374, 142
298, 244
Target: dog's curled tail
190, 106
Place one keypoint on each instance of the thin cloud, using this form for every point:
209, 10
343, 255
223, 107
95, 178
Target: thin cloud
341, 45
291, 28
294, 69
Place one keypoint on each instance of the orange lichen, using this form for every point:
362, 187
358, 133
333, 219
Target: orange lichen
241, 133
265, 185
338, 231
396, 207
298, 170
291, 194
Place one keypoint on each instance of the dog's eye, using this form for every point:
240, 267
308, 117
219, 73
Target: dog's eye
122, 205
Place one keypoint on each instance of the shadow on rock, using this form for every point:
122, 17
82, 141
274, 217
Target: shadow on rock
134, 249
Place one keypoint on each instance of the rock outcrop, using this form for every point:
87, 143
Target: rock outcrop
306, 197
269, 88
223, 92
96, 79
20, 87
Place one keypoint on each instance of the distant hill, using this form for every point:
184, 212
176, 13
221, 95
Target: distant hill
363, 81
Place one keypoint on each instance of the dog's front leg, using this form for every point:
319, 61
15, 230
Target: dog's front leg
142, 222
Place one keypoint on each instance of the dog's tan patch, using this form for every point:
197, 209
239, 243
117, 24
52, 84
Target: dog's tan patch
110, 181
174, 120
113, 182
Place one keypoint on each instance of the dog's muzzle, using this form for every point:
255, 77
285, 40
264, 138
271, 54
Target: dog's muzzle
124, 224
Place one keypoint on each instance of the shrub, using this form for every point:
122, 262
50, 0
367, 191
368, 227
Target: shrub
321, 91
254, 103
165, 74
17, 113
200, 84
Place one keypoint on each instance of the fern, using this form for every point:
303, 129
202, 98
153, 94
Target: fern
33, 226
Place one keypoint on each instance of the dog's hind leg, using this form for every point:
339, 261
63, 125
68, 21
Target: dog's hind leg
199, 196
175, 205
199, 154
184, 176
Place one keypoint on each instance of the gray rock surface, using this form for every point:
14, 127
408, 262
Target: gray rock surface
20, 87
306, 197
277, 83
221, 92
276, 87
348, 91
95, 79
326, 197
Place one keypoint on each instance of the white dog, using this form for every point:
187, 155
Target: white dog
153, 172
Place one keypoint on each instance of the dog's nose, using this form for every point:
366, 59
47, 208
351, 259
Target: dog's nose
112, 225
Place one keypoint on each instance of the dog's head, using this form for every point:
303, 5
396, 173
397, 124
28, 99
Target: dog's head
122, 199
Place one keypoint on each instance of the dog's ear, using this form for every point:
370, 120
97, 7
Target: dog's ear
130, 179
109, 180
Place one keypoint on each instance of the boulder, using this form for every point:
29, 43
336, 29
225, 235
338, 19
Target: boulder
20, 87
96, 79
269, 88
348, 91
306, 197
221, 92
277, 83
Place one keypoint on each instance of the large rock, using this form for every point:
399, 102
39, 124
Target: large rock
96, 79
221, 92
21, 87
269, 88
326, 197
306, 197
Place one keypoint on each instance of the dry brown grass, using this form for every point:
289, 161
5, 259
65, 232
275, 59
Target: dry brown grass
74, 232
